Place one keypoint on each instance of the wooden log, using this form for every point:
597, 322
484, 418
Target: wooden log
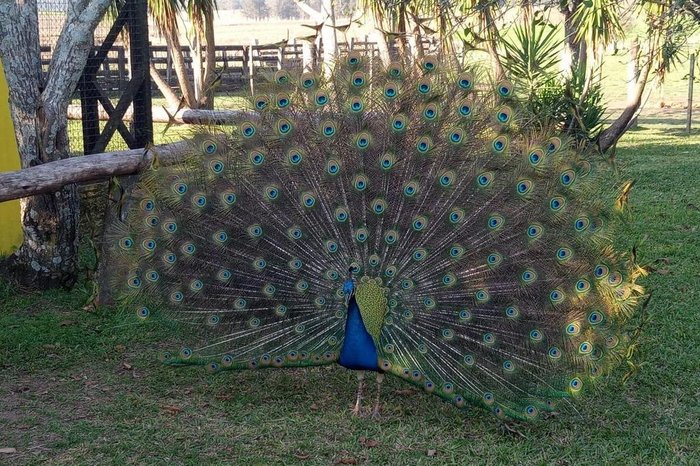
52, 176
183, 117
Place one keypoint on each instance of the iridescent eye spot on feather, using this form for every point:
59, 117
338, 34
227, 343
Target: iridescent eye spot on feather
390, 271
282, 77
177, 297
489, 338
216, 166
373, 260
387, 161
281, 310
485, 179
143, 312
429, 63
534, 231
535, 157
321, 98
199, 200
331, 246
358, 79
601, 271
528, 276
185, 353
465, 315
524, 187
362, 140
494, 259
188, 248
495, 222
259, 264
353, 59
611, 342
456, 136
398, 123
295, 155
505, 88
504, 114
148, 205
531, 411
220, 237
564, 254
196, 285
284, 126
407, 284
469, 360
419, 222
209, 147
567, 177
581, 224
261, 102
595, 317
456, 215
424, 86
512, 312
283, 100
391, 237
126, 243
482, 296
449, 279
424, 144
556, 296
429, 303
378, 206
295, 264
585, 348
391, 90
447, 178
464, 108
410, 189
554, 352
255, 231
134, 282
508, 366
302, 286
553, 145
256, 157
456, 251
573, 329
180, 188
536, 335
248, 129
333, 167
328, 128
575, 385
465, 81
148, 245
308, 199
224, 275
419, 254
294, 233
394, 70
170, 227
332, 275
307, 81
240, 304
500, 144
615, 278
228, 198
557, 203
360, 182
269, 290
361, 235
430, 112
447, 335
356, 104
582, 286
169, 258
341, 214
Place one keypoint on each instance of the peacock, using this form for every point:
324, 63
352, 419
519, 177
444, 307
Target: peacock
409, 219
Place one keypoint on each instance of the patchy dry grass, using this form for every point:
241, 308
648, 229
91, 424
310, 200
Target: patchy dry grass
86, 388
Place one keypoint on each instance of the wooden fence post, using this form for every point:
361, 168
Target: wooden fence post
251, 65
691, 80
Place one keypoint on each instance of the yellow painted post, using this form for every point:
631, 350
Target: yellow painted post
10, 220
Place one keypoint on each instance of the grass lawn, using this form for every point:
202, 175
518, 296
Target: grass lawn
81, 387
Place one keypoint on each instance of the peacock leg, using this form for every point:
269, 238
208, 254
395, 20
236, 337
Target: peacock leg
360, 388
377, 407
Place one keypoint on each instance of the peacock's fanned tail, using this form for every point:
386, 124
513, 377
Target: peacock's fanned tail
490, 234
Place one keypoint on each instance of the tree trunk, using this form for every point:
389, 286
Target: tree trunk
164, 88
207, 98
48, 256
173, 40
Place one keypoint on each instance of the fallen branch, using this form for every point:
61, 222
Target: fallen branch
52, 176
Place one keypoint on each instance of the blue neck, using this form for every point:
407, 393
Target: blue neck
358, 350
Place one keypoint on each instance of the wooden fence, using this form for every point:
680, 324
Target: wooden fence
237, 63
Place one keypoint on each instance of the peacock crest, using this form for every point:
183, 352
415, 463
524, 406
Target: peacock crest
478, 241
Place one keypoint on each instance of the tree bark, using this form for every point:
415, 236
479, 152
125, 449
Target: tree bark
48, 256
173, 41
207, 100
164, 88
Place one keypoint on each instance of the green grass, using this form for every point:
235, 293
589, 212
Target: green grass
85, 388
